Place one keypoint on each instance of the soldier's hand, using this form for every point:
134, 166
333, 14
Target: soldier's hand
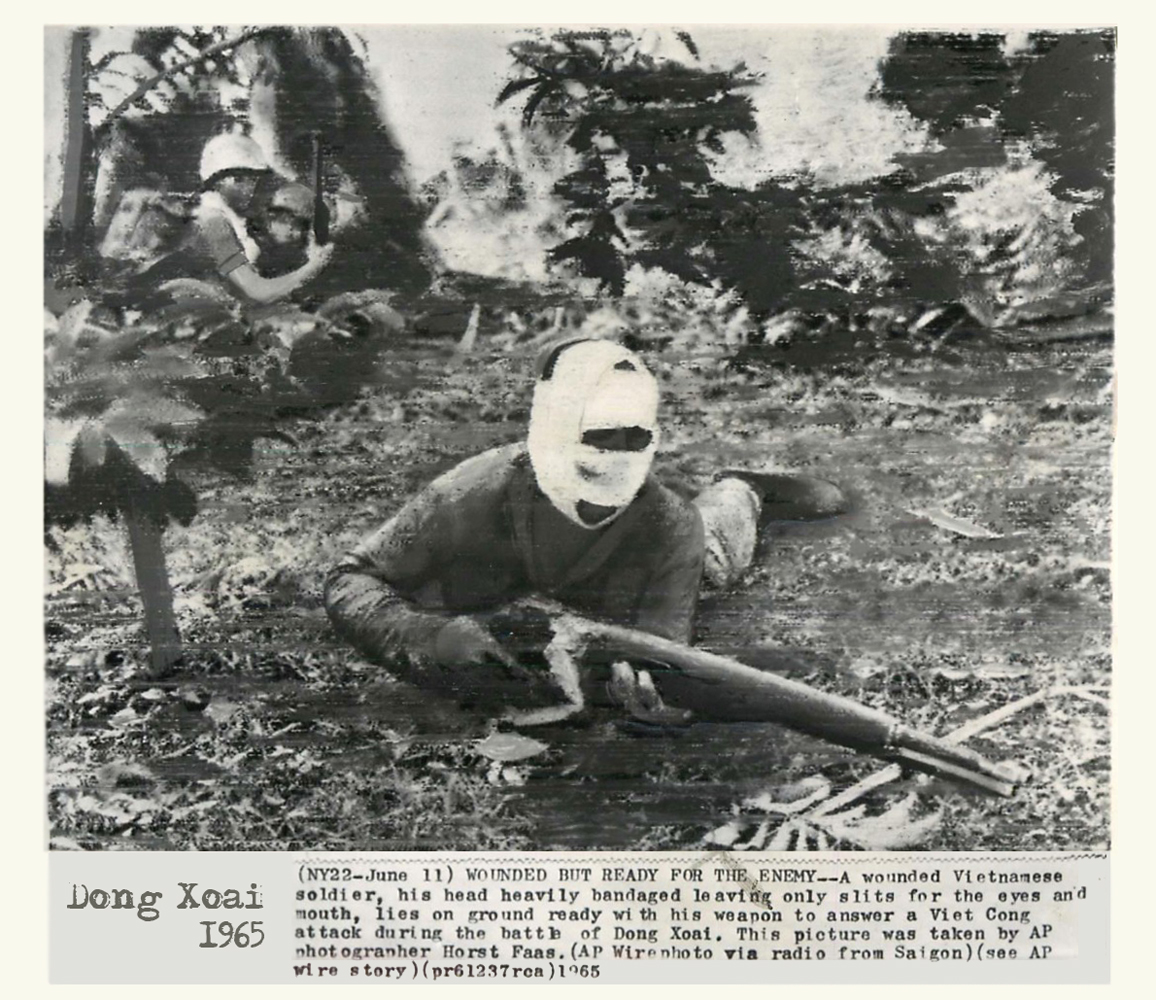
318, 253
525, 631
463, 642
635, 691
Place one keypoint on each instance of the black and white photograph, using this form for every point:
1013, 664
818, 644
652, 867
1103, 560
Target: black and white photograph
472, 438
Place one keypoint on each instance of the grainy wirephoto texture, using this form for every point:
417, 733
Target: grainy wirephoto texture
496, 438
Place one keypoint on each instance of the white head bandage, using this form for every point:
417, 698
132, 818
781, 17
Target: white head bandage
593, 429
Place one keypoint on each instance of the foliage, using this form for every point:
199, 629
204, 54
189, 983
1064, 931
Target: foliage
118, 404
493, 211
1046, 108
991, 240
642, 191
163, 64
659, 310
989, 217
194, 386
1065, 108
1002, 218
199, 379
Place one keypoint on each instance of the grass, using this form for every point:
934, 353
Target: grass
273, 735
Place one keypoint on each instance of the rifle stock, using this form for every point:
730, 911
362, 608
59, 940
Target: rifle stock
719, 688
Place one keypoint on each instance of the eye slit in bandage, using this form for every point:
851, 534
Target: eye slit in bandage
618, 438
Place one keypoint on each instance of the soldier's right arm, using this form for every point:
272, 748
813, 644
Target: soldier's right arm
235, 267
263, 291
387, 596
371, 595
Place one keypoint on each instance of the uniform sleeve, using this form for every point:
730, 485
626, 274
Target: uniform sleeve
222, 243
374, 595
667, 604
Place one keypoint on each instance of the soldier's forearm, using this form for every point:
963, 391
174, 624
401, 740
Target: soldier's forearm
377, 620
384, 627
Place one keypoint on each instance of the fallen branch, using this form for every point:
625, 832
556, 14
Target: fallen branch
890, 773
999, 715
1086, 695
155, 81
969, 729
470, 337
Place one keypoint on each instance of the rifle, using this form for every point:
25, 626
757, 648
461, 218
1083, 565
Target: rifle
320, 209
718, 688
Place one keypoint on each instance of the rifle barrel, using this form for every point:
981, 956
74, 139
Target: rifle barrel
936, 765
913, 741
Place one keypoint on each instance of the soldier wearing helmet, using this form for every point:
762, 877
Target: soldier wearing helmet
573, 514
283, 228
220, 246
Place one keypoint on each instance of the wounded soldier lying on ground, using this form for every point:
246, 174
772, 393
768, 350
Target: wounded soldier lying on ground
573, 515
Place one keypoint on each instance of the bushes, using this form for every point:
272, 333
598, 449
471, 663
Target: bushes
1003, 216
134, 403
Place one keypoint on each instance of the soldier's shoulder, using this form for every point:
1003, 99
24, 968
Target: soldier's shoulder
485, 473
666, 509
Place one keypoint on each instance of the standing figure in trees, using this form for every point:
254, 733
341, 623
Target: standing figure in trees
574, 514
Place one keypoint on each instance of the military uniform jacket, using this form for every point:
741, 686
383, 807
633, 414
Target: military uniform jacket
483, 535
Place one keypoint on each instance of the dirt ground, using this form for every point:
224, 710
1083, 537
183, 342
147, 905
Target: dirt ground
972, 572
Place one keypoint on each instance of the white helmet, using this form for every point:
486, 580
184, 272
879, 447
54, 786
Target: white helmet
231, 151
593, 430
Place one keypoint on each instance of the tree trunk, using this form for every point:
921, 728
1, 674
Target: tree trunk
152, 580
76, 197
